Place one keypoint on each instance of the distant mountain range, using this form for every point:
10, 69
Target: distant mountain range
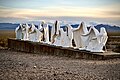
109, 28
8, 26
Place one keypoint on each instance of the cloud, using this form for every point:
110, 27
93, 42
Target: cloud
66, 19
58, 11
116, 13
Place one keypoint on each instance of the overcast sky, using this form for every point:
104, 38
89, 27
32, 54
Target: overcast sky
101, 11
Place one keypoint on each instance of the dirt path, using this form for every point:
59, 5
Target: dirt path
26, 66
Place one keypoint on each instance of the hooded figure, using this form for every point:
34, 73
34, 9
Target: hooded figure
91, 39
70, 34
57, 39
25, 28
18, 32
102, 39
34, 34
46, 32
67, 36
64, 38
55, 31
77, 32
95, 40
65, 42
41, 29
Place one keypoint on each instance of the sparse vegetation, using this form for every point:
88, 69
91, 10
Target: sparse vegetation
113, 33
4, 35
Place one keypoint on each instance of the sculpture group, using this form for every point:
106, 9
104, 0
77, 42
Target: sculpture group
84, 39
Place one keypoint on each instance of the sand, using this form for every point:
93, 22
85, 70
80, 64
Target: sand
27, 66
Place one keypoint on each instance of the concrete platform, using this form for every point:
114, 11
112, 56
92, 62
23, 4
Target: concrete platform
109, 55
46, 49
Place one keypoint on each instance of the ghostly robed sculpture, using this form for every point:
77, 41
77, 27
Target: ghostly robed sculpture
55, 33
91, 40
34, 33
46, 32
25, 28
69, 35
66, 36
22, 32
59, 37
41, 29
95, 40
77, 32
18, 32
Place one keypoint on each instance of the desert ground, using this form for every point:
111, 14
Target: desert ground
27, 66
4, 35
16, 65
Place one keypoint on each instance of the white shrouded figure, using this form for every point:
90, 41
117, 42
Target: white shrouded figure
57, 39
55, 31
64, 38
65, 42
41, 25
34, 33
91, 38
95, 40
41, 29
68, 36
18, 32
25, 28
103, 39
77, 32
46, 32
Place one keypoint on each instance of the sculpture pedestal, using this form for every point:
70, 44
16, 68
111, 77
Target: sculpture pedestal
46, 49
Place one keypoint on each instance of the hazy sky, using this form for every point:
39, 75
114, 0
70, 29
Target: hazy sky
101, 11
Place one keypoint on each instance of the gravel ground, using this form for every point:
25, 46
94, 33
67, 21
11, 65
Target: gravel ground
26, 66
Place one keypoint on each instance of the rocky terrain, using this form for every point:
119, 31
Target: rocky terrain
27, 66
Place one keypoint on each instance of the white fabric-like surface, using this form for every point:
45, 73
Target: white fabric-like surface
82, 29
69, 35
18, 32
64, 39
25, 28
57, 39
32, 33
55, 31
46, 32
91, 40
95, 40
